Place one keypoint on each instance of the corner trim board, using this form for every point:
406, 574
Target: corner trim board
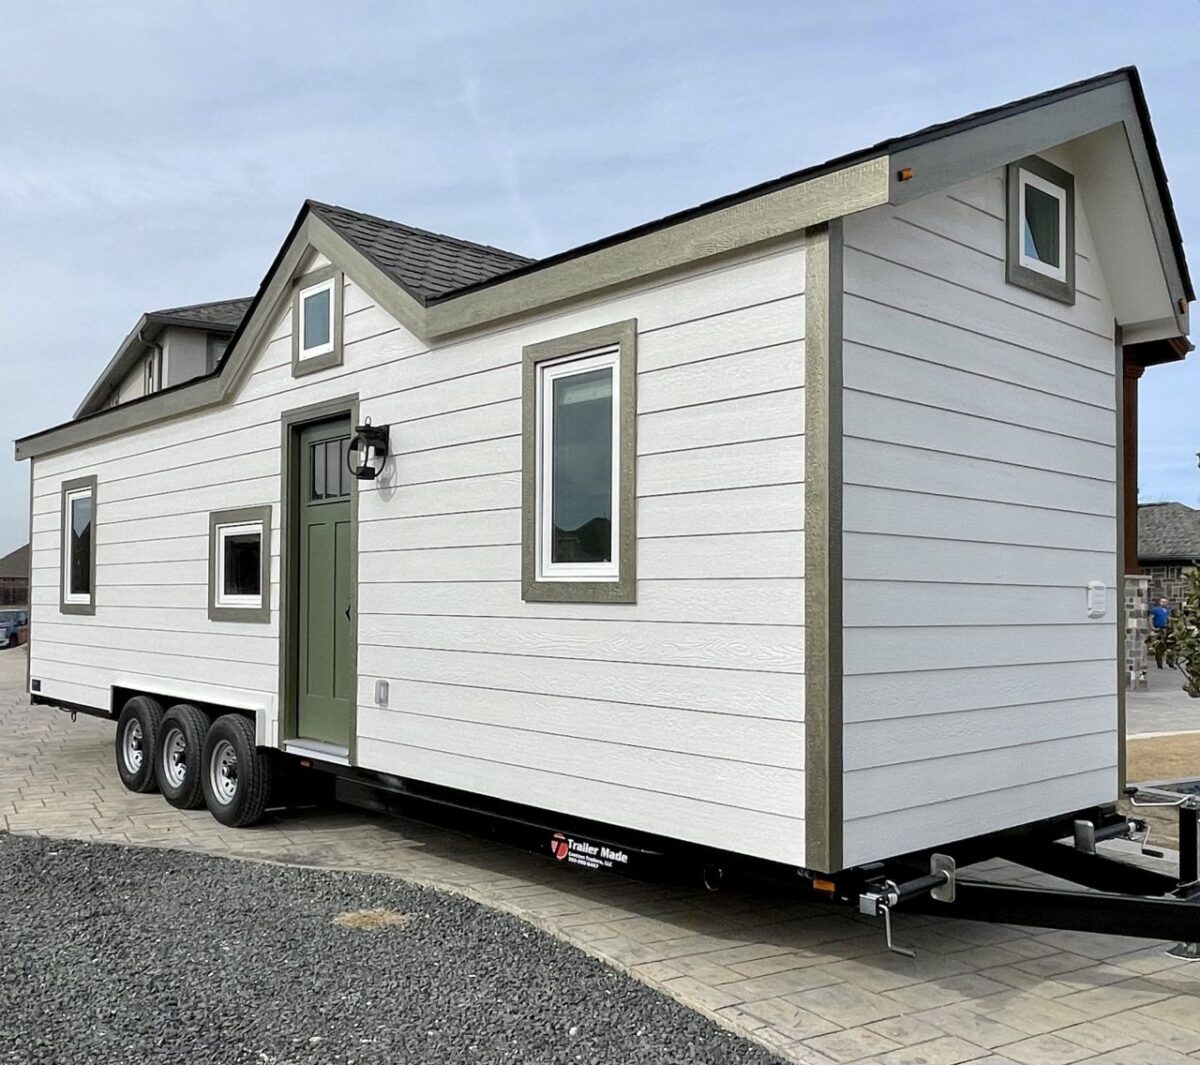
823, 548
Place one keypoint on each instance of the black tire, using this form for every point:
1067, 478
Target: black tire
235, 775
136, 742
179, 755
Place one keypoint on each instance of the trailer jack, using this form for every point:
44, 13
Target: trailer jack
879, 898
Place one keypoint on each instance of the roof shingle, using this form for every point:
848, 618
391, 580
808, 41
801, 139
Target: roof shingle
221, 313
1168, 531
426, 264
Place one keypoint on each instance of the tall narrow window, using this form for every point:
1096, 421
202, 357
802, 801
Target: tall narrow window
317, 322
78, 578
240, 565
579, 409
1041, 229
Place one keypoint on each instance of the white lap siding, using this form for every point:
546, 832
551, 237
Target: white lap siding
681, 714
980, 500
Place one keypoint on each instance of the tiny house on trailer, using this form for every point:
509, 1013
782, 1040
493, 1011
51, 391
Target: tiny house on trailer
791, 526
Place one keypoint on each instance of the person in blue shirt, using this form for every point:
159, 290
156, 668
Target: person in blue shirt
1160, 617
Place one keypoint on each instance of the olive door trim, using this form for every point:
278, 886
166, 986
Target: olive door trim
291, 422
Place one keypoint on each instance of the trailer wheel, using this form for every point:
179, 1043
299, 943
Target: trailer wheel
236, 775
179, 755
137, 739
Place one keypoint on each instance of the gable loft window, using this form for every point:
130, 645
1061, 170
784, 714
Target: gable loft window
1041, 229
152, 372
77, 581
317, 321
214, 347
239, 564
579, 419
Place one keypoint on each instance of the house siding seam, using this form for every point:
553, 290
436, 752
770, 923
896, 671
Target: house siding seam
980, 498
681, 714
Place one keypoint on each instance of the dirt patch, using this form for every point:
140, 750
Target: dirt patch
1161, 758
371, 920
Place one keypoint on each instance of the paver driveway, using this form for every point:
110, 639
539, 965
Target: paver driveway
812, 983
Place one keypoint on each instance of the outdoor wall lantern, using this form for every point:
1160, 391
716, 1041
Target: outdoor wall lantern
368, 451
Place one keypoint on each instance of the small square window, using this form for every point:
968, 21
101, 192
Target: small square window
1041, 229
580, 416
316, 321
240, 565
78, 577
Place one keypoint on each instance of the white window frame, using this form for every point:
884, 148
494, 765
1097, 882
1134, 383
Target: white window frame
220, 597
152, 373
328, 285
1025, 180
69, 498
549, 372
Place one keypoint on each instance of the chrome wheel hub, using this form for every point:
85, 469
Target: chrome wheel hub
223, 772
174, 758
133, 746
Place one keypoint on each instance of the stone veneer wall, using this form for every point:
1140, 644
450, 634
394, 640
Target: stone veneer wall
1137, 625
1167, 579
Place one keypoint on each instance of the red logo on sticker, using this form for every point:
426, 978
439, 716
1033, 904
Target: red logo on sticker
558, 846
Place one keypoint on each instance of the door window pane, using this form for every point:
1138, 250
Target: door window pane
318, 471
81, 546
333, 477
317, 319
1041, 226
582, 458
242, 564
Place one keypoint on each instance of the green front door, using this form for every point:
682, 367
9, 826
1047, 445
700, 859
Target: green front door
325, 684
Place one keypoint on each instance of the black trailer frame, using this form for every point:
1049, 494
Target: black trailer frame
1111, 896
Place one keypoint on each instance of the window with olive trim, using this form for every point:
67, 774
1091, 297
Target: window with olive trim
1041, 229
317, 321
239, 564
579, 406
77, 578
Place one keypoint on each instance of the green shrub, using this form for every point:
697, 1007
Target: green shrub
1179, 642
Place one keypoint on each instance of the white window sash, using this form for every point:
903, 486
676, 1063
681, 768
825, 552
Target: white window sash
77, 598
223, 532
548, 373
306, 293
1059, 273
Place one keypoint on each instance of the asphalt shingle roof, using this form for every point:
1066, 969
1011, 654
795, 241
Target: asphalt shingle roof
427, 264
15, 563
224, 313
1168, 530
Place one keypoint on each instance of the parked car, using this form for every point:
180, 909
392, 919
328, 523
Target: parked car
14, 627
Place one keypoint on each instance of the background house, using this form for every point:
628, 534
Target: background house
1168, 546
14, 578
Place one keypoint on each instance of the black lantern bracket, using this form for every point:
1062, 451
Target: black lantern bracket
368, 452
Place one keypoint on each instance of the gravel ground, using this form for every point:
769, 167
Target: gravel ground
116, 954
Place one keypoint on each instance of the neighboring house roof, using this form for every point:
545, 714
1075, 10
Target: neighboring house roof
16, 563
1168, 531
427, 264
217, 316
437, 286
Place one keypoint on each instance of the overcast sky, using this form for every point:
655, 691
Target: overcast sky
155, 154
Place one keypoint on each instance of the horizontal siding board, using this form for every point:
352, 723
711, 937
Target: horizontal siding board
893, 284
745, 602
746, 374
917, 738
970, 815
94, 661
903, 558
693, 819
760, 462
887, 420
765, 508
882, 372
893, 603
957, 346
707, 645
883, 510
758, 417
889, 696
900, 650
715, 736
743, 785
758, 325
868, 462
257, 648
465, 495
683, 687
